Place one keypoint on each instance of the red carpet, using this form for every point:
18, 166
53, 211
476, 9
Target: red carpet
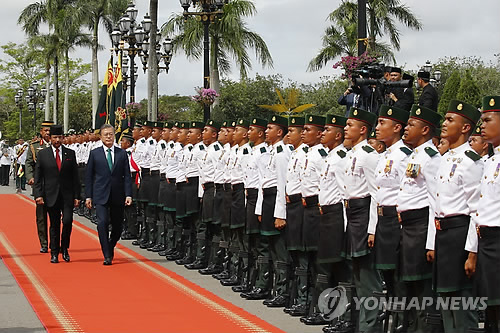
133, 295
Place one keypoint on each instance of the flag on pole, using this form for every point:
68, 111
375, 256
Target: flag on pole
118, 114
102, 114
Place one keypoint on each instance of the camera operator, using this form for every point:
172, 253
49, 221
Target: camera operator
429, 96
400, 97
349, 99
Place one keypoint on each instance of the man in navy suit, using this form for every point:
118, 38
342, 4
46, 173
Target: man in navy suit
108, 188
57, 186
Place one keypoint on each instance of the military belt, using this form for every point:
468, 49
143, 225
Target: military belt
412, 214
443, 223
270, 190
219, 186
332, 208
312, 201
208, 185
227, 186
488, 232
145, 170
293, 198
355, 203
163, 175
387, 211
155, 172
238, 187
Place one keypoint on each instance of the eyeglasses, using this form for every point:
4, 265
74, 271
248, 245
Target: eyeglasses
108, 134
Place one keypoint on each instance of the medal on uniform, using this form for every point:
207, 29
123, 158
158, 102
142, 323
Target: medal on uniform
305, 165
295, 164
496, 171
327, 168
453, 168
412, 170
388, 166
353, 164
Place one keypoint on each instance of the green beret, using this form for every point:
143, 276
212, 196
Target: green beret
465, 110
315, 120
176, 124
372, 135
148, 123
168, 124
363, 115
278, 120
296, 121
215, 125
231, 124
197, 125
427, 115
224, 124
393, 113
158, 124
184, 125
257, 122
137, 125
491, 104
243, 123
128, 136
437, 132
334, 120
477, 129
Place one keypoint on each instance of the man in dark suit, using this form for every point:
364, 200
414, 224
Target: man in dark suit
429, 96
109, 188
57, 186
402, 98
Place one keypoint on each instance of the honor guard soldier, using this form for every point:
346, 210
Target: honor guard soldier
271, 206
385, 231
154, 169
416, 207
256, 135
192, 223
208, 228
142, 155
478, 144
127, 143
483, 243
310, 187
238, 167
133, 227
295, 216
41, 210
361, 210
458, 179
171, 162
331, 267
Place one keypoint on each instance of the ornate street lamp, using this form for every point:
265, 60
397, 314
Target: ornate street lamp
210, 11
32, 100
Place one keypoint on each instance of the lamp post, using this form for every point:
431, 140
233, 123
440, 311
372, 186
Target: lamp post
163, 52
19, 102
435, 74
33, 97
210, 11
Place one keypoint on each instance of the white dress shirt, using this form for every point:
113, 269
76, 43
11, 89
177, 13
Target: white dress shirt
332, 177
295, 169
313, 164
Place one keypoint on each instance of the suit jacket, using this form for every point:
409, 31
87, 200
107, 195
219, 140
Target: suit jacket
429, 98
50, 182
405, 97
103, 185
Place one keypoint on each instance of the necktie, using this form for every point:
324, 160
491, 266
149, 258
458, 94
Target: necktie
58, 159
110, 160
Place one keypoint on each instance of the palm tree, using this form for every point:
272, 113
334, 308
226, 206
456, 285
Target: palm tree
289, 106
230, 39
96, 13
341, 37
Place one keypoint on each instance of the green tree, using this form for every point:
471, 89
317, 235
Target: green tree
450, 92
469, 91
230, 38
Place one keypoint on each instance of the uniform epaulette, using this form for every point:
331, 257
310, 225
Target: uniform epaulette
431, 152
143, 140
472, 155
406, 150
291, 148
172, 145
151, 142
341, 153
163, 146
190, 148
245, 151
216, 147
262, 150
129, 153
202, 147
322, 152
279, 149
368, 149
305, 149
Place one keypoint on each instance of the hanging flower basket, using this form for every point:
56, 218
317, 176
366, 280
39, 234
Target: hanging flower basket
205, 97
350, 63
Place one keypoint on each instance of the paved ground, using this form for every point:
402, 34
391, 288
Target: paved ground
17, 316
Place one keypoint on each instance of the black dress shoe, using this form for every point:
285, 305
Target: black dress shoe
222, 275
298, 310
168, 252
65, 255
314, 319
185, 261
197, 264
158, 248
232, 281
256, 294
175, 256
211, 269
44, 249
128, 236
54, 258
136, 243
242, 288
107, 262
278, 301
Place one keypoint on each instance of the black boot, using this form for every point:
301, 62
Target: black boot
280, 300
180, 245
244, 286
143, 236
225, 256
315, 317
189, 255
215, 265
235, 269
201, 257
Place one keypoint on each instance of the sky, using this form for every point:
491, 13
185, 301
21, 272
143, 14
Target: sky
293, 29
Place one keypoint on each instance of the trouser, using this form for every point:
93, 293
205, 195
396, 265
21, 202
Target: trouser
300, 287
4, 174
170, 225
106, 214
238, 245
459, 320
280, 259
253, 254
21, 181
264, 276
395, 288
161, 226
130, 213
41, 224
418, 290
60, 240
367, 281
